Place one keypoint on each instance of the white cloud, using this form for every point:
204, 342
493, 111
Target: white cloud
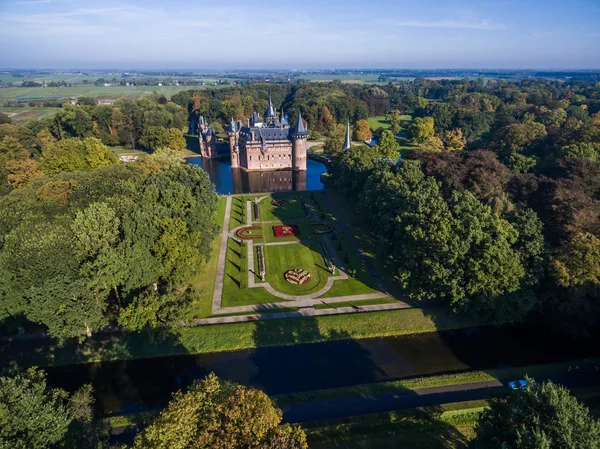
475, 24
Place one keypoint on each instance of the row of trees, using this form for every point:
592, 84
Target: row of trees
217, 414
211, 414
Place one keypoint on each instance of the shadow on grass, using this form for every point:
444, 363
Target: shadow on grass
417, 429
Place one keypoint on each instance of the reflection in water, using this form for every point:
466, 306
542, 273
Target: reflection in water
228, 180
146, 383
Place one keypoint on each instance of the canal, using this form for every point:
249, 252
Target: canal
133, 385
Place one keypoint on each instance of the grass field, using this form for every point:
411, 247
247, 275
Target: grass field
279, 259
447, 426
229, 337
22, 115
382, 122
12, 93
204, 283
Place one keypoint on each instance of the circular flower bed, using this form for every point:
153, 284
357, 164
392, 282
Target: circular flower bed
244, 233
322, 228
297, 276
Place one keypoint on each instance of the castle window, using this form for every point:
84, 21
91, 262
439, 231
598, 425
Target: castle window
250, 157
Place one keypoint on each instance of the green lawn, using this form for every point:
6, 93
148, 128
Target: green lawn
235, 289
447, 426
379, 122
367, 302
204, 283
279, 259
228, 337
292, 208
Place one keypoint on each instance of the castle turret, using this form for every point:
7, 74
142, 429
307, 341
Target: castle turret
347, 140
232, 132
270, 115
299, 136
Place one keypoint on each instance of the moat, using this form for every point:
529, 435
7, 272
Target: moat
228, 180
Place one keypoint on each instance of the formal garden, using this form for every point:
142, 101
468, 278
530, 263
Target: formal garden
289, 246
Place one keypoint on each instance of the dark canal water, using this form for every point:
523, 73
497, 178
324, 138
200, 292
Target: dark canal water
128, 386
228, 180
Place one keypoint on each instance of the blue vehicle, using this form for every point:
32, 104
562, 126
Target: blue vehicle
517, 384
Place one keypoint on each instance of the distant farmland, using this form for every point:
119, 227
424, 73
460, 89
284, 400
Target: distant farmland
12, 93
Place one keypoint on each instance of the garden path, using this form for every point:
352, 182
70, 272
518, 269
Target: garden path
218, 290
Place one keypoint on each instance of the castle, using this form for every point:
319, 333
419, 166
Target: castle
268, 145
207, 140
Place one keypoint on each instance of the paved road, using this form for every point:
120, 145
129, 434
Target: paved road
385, 402
420, 397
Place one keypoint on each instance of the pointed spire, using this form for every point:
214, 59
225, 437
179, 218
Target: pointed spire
270, 112
232, 127
347, 141
299, 130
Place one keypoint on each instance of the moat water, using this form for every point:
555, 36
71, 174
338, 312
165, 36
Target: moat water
228, 180
132, 385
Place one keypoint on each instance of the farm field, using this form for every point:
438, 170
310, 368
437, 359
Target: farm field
22, 115
12, 93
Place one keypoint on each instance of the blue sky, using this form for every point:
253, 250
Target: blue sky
196, 34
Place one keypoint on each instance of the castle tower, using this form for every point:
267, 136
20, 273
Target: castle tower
299, 136
232, 132
347, 140
270, 115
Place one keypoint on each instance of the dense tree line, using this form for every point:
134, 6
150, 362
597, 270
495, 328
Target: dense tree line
85, 241
118, 244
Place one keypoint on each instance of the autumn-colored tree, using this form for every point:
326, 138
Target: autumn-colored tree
97, 154
454, 140
59, 191
214, 414
362, 131
325, 119
20, 173
578, 262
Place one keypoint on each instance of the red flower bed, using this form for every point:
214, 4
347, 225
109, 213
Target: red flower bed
241, 233
286, 231
297, 276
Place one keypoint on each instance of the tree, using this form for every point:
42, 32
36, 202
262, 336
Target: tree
539, 416
97, 154
154, 137
362, 131
64, 155
176, 140
387, 146
578, 262
217, 414
454, 140
334, 143
4, 118
21, 173
422, 129
433, 144
35, 416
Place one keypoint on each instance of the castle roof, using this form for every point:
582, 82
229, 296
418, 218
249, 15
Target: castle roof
270, 112
299, 130
232, 127
255, 133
